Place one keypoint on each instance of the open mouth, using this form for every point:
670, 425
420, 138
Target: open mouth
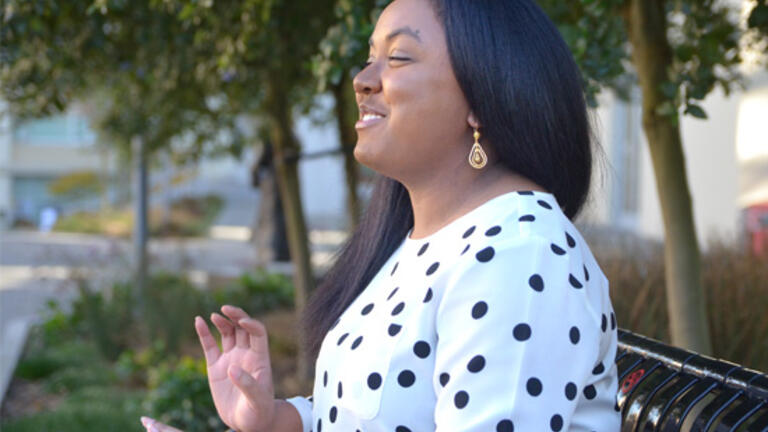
368, 119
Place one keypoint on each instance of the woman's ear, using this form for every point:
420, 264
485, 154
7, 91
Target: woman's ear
472, 120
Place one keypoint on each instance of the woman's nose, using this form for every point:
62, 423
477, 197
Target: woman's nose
367, 80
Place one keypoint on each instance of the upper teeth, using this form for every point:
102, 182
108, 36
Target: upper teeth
371, 116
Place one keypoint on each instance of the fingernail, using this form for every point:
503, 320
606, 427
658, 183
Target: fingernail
145, 420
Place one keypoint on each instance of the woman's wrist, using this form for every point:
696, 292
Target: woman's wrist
285, 418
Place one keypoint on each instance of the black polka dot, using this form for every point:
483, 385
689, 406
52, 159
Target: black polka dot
338, 390
604, 322
598, 369
374, 380
485, 255
476, 364
570, 391
357, 341
466, 248
444, 377
574, 282
479, 309
332, 414
428, 296
394, 268
586, 274
393, 293
570, 240
533, 385
505, 426
522, 332
461, 399
590, 392
536, 282
341, 339
525, 192
423, 249
433, 268
402, 429
319, 425
421, 349
544, 204
557, 249
556, 423
394, 329
397, 309
527, 218
406, 378
613, 321
468, 232
367, 309
574, 335
325, 378
492, 231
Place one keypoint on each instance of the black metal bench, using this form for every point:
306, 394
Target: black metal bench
664, 388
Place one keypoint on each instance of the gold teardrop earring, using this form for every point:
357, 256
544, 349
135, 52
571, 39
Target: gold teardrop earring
477, 157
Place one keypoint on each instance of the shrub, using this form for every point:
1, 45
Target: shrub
257, 292
77, 185
735, 285
179, 395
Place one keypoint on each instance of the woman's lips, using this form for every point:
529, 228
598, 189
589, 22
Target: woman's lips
360, 124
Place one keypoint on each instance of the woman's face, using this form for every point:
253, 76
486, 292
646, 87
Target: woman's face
409, 81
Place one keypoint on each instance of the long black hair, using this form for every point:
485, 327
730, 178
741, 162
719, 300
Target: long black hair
522, 84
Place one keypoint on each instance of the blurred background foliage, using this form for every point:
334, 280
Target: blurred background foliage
150, 366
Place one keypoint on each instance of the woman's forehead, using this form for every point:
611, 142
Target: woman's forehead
414, 19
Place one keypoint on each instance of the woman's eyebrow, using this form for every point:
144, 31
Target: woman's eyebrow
402, 30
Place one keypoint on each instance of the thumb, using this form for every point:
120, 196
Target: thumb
246, 383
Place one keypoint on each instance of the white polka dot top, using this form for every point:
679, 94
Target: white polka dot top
499, 321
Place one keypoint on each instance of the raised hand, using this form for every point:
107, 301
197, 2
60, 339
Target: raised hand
240, 374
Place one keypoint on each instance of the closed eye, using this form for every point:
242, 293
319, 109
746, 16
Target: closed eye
365, 65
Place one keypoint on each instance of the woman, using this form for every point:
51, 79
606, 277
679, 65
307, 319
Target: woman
466, 300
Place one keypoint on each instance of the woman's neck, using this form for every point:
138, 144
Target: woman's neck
445, 198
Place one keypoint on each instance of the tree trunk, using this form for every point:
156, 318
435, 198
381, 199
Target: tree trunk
345, 122
140, 218
651, 53
286, 151
268, 232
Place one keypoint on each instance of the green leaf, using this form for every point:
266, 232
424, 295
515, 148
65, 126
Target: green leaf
669, 89
696, 111
758, 18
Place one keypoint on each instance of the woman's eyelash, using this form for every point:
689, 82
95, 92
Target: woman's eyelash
365, 65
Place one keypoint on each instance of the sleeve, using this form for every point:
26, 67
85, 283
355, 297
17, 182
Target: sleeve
516, 339
303, 405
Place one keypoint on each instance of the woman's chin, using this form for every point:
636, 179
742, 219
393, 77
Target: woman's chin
363, 155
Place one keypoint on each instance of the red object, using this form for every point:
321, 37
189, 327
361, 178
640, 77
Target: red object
629, 382
756, 223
